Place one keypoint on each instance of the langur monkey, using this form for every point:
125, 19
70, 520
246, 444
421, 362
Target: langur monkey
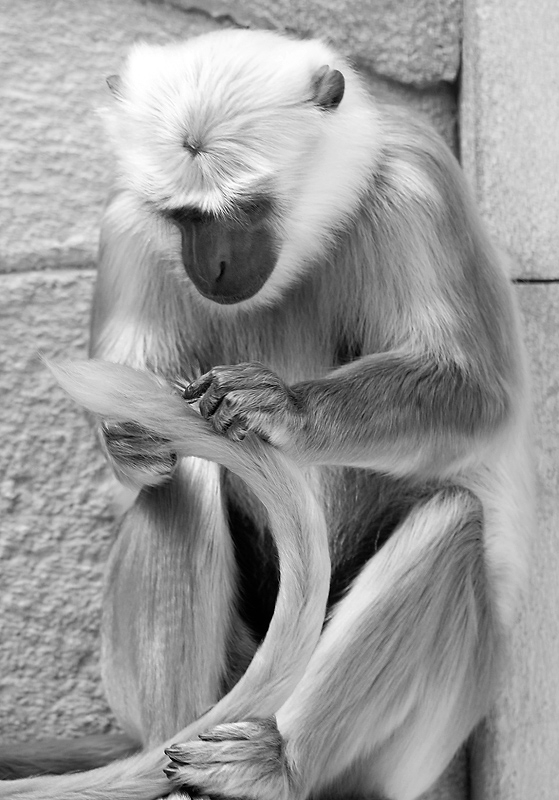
309, 261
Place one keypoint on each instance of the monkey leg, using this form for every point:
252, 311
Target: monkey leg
170, 633
169, 607
403, 671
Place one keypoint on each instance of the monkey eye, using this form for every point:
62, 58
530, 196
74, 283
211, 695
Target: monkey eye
256, 207
189, 214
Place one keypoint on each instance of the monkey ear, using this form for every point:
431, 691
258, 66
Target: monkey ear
115, 85
328, 88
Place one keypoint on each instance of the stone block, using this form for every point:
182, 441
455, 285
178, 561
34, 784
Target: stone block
416, 42
516, 751
55, 526
508, 118
436, 104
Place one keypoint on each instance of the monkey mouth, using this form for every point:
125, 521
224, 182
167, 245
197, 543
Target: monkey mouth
225, 290
227, 260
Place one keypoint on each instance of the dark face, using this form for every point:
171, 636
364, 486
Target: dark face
230, 258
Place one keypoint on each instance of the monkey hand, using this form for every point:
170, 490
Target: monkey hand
249, 398
137, 456
242, 759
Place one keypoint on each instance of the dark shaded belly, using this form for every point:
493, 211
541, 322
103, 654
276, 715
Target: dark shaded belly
362, 510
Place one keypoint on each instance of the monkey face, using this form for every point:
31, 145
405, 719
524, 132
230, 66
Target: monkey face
201, 126
228, 258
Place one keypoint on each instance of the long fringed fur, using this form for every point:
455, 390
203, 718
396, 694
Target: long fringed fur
59, 756
121, 394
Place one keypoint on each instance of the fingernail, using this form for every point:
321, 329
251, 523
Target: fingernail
179, 385
171, 771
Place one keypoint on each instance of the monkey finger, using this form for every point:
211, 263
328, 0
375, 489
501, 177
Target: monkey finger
228, 378
197, 757
237, 433
191, 394
195, 390
181, 386
192, 752
230, 412
220, 744
239, 427
199, 778
255, 730
211, 401
110, 430
183, 781
231, 760
121, 430
233, 731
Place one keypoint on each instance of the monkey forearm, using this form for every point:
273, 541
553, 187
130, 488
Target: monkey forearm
391, 412
399, 413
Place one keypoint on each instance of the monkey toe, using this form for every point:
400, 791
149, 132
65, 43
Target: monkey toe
231, 760
231, 416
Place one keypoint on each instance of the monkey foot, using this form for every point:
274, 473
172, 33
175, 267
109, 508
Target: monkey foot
243, 759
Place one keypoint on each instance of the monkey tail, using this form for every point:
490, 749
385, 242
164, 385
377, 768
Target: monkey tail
60, 756
121, 394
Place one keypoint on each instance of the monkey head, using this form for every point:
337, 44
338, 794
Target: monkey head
253, 147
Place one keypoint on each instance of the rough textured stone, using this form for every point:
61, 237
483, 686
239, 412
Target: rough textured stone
437, 104
413, 41
55, 165
516, 753
509, 113
54, 522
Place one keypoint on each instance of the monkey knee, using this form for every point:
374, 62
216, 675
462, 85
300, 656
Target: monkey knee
454, 507
443, 550
449, 524
464, 526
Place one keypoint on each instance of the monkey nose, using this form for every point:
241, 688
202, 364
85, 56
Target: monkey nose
221, 270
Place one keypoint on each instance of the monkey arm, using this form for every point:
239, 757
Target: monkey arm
447, 377
400, 412
441, 375
397, 412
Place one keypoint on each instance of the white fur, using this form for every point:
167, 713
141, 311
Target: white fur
245, 99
